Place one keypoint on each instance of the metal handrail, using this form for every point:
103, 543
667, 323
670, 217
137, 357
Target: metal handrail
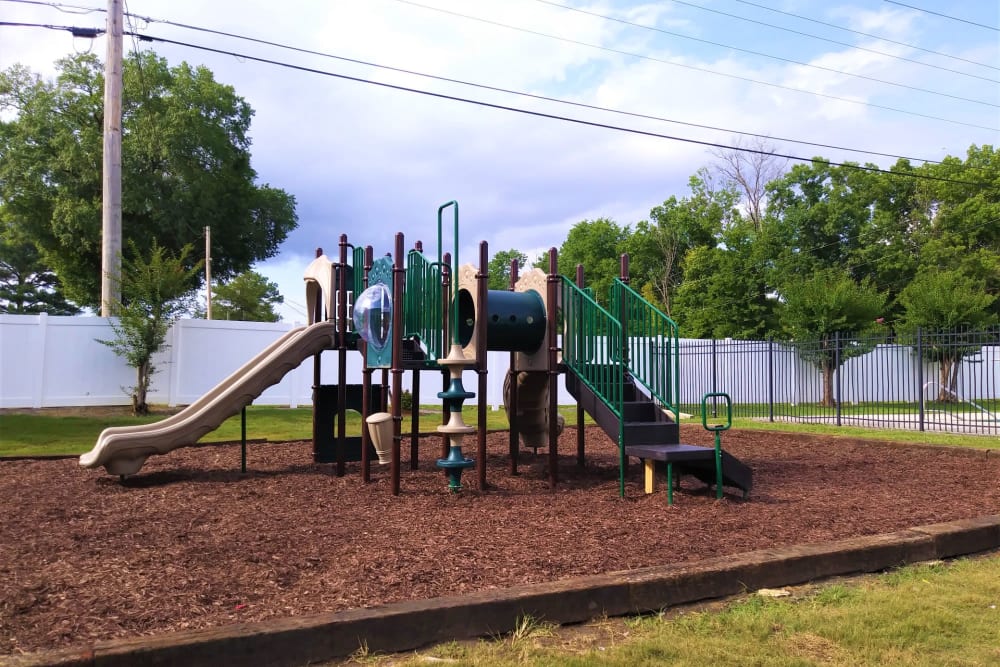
650, 345
589, 347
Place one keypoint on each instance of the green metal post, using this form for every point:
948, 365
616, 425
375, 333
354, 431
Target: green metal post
717, 429
454, 272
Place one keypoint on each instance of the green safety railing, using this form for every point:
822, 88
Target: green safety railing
649, 345
423, 304
591, 350
358, 264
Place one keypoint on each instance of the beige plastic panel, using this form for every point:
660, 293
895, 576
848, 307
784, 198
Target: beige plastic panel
319, 281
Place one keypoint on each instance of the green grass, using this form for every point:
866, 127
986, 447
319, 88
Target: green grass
943, 614
42, 434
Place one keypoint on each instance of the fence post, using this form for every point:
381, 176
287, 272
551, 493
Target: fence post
836, 369
770, 378
920, 377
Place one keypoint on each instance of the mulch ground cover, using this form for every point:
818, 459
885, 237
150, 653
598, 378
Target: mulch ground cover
191, 542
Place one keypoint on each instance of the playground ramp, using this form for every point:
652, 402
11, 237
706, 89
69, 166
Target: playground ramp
123, 450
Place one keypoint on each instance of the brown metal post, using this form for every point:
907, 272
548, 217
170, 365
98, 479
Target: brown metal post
398, 272
415, 421
339, 273
366, 388
512, 398
317, 316
482, 291
580, 458
552, 290
415, 406
446, 332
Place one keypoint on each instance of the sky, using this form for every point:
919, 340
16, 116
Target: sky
370, 161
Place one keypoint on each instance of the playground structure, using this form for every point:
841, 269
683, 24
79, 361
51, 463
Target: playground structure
421, 314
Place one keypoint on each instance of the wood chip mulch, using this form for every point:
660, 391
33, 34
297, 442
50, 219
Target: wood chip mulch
191, 542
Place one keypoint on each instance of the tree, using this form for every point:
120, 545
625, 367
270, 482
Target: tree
829, 315
962, 228
185, 164
26, 285
658, 247
597, 245
947, 307
499, 267
155, 293
749, 167
249, 297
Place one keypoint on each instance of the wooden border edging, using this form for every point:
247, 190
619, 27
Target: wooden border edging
414, 623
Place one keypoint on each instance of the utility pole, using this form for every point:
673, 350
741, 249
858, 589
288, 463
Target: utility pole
208, 273
111, 219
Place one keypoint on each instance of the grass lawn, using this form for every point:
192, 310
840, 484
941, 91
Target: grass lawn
924, 614
55, 433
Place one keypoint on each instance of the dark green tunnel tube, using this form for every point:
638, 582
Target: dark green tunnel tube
515, 321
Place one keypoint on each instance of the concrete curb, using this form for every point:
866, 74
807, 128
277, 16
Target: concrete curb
408, 625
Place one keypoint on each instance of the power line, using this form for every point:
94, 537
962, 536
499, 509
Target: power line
696, 69
540, 114
89, 33
764, 55
883, 39
524, 94
65, 9
946, 16
823, 39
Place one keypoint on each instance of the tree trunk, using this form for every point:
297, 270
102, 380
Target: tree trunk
947, 377
828, 397
139, 405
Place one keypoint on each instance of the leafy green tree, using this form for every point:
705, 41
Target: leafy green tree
185, 164
962, 219
499, 267
833, 318
948, 308
26, 285
597, 245
678, 226
725, 291
155, 293
249, 297
820, 211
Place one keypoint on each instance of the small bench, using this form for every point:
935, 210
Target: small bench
670, 454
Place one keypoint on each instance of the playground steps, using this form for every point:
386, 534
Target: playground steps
698, 462
644, 422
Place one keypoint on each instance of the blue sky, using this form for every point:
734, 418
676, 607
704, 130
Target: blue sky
369, 161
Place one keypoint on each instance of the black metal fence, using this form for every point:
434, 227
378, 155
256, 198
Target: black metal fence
931, 381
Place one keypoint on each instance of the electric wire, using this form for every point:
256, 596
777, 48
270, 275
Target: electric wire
89, 33
812, 36
524, 94
65, 9
881, 38
765, 55
539, 114
573, 120
695, 68
946, 16
513, 92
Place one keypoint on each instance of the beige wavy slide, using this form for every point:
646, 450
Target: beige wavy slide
123, 450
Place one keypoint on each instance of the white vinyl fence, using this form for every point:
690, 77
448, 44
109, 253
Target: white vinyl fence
53, 361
